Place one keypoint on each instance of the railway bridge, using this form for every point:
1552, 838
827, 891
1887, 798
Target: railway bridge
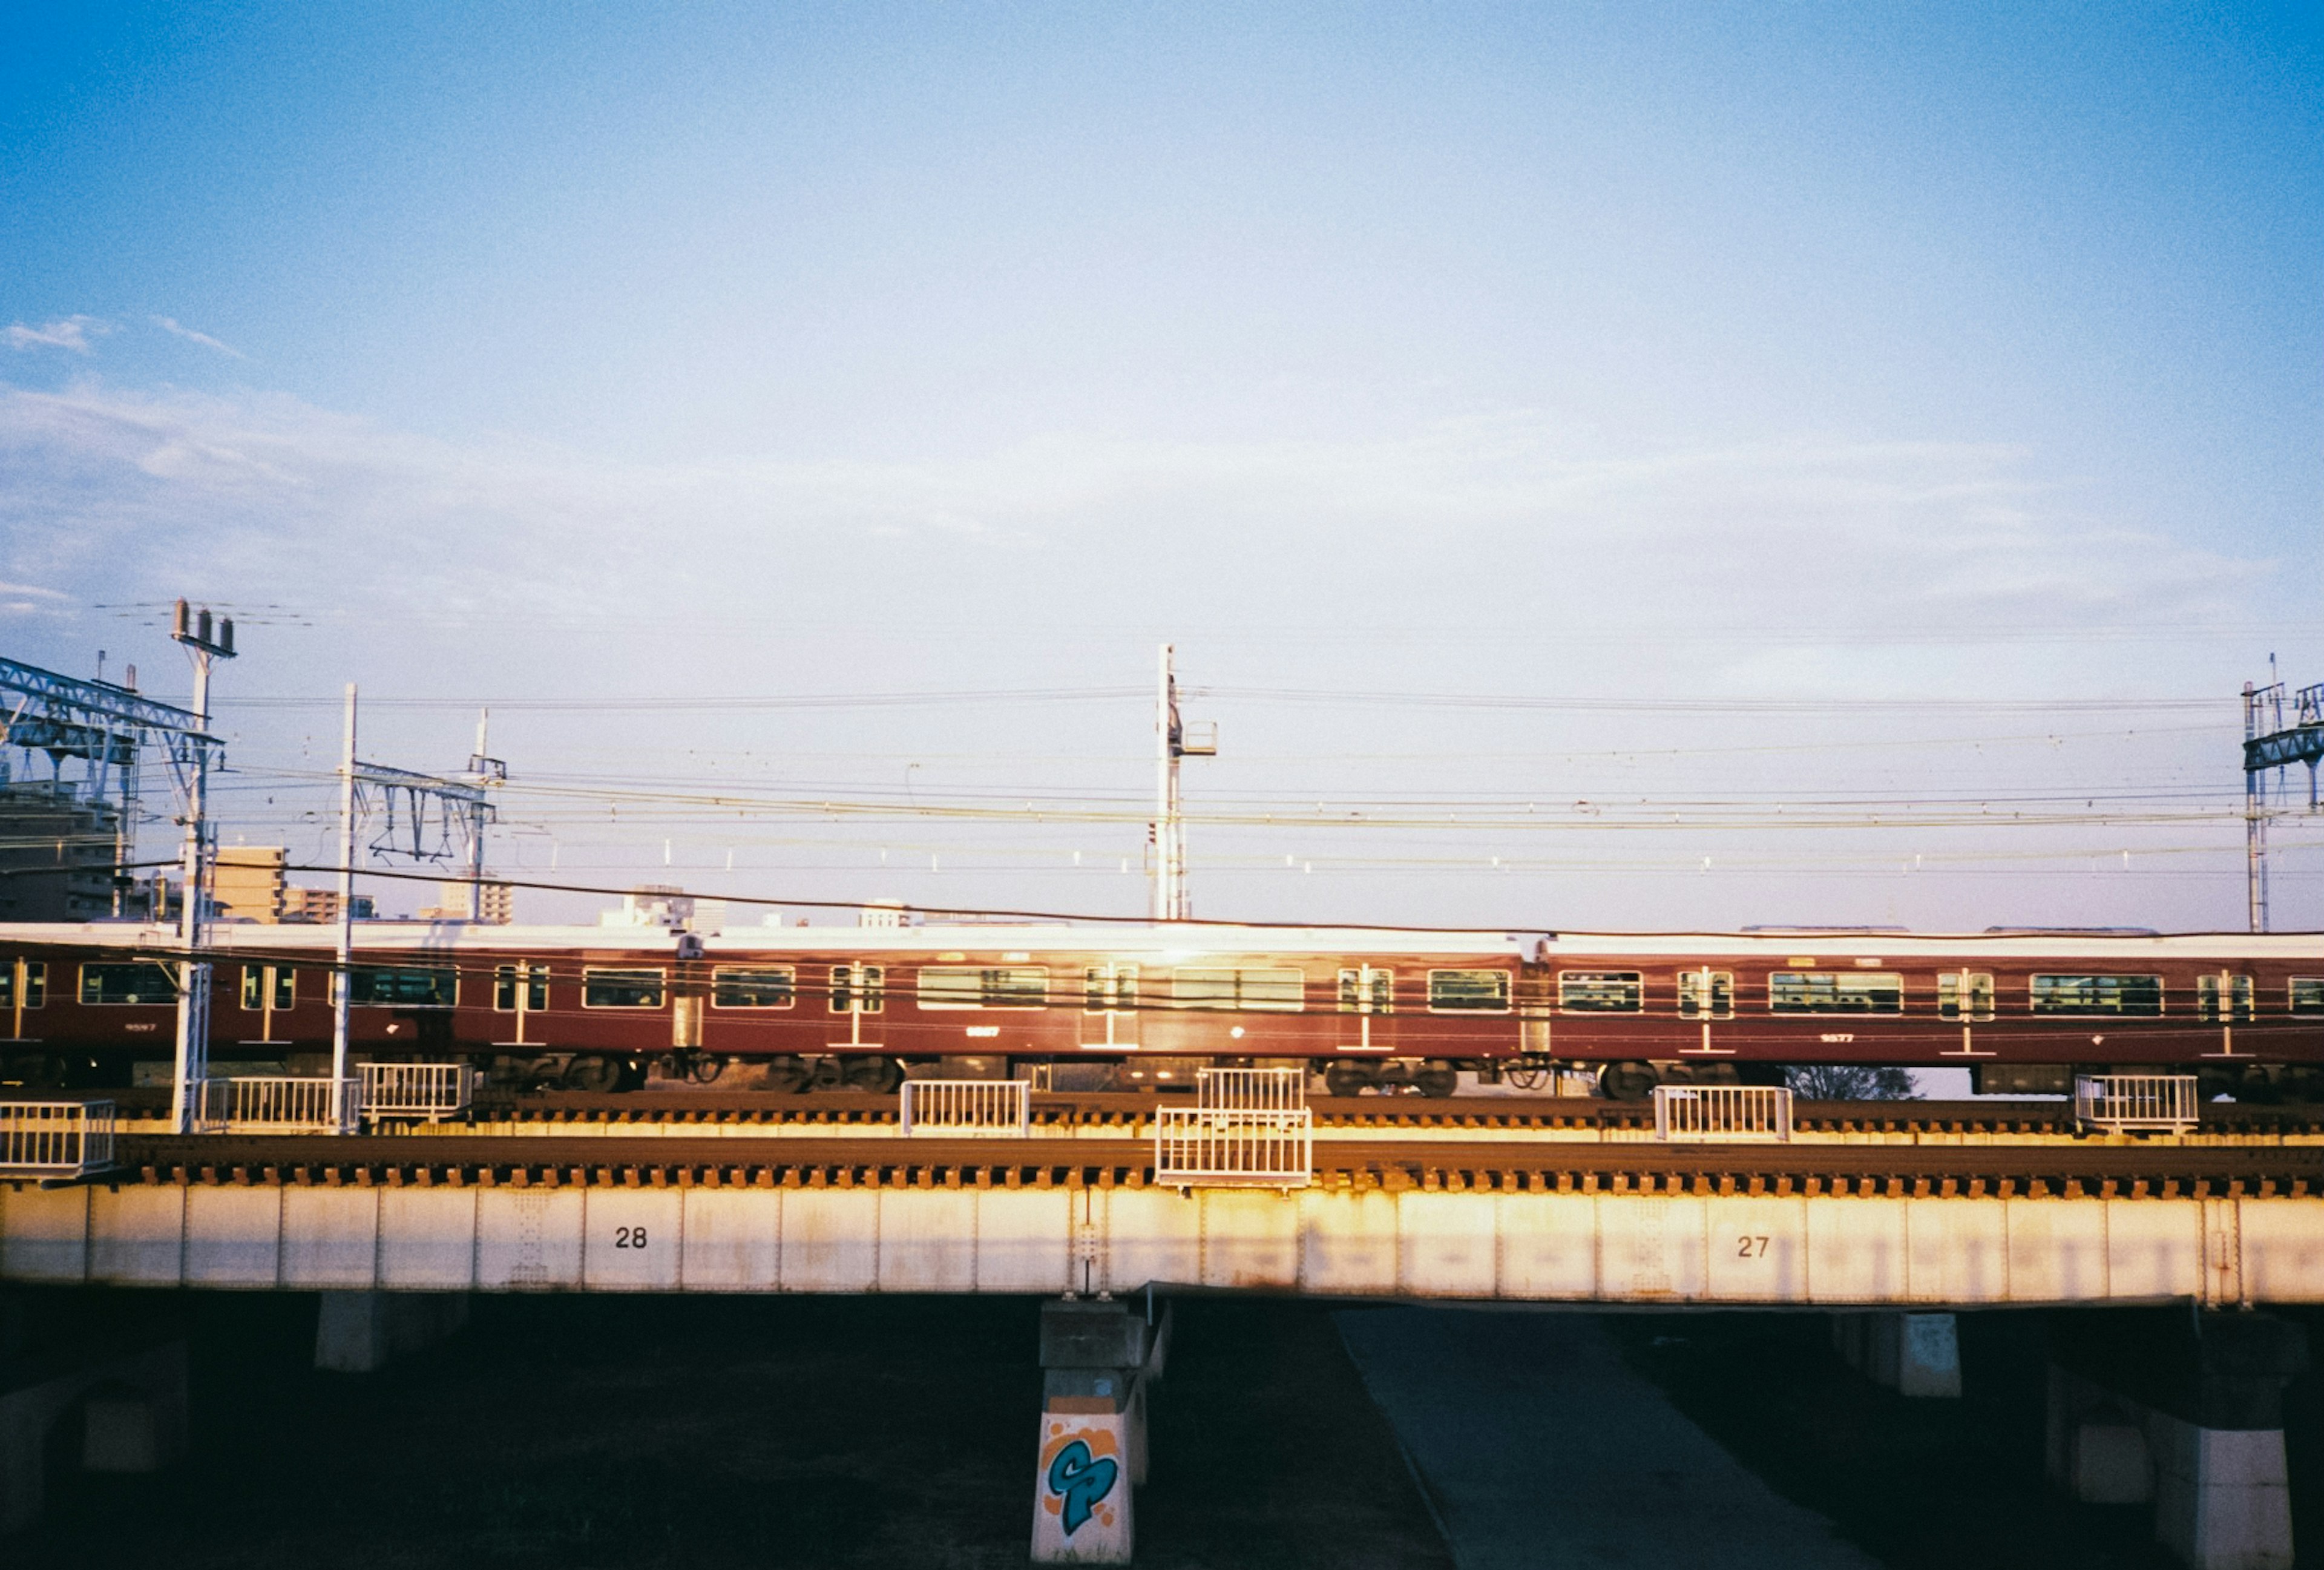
1893, 1218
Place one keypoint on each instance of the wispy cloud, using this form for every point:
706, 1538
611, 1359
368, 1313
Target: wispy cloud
25, 599
1504, 525
72, 332
172, 325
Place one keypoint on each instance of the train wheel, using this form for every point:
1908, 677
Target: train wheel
591, 1072
786, 1077
1437, 1080
1626, 1081
1348, 1080
879, 1076
706, 1068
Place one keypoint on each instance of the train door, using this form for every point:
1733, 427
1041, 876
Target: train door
1966, 995
2225, 999
27, 982
1706, 995
1109, 1007
265, 989
858, 991
1366, 992
522, 990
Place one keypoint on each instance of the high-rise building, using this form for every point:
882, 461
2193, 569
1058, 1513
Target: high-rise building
57, 853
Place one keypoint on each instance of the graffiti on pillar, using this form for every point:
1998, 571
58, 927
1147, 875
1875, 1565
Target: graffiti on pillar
1078, 1471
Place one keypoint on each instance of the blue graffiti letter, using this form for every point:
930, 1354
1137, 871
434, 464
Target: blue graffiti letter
1081, 1482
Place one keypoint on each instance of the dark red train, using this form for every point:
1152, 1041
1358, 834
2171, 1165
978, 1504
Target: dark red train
1145, 1006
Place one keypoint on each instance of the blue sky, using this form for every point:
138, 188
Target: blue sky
1632, 355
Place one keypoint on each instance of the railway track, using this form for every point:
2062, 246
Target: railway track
1467, 1145
2129, 1169
1098, 1115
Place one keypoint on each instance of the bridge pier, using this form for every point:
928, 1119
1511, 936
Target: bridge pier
1914, 1354
359, 1332
1099, 1359
128, 1382
2186, 1409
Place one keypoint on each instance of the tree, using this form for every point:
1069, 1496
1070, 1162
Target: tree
1849, 1082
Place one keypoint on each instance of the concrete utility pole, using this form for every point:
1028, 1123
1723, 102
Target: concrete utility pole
192, 1065
343, 975
1172, 743
485, 771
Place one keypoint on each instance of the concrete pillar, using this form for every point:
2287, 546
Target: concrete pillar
1914, 1354
134, 1401
2186, 1409
359, 1332
1098, 1360
2095, 1447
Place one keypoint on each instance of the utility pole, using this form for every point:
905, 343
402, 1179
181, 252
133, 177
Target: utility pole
484, 771
192, 1065
1172, 741
343, 975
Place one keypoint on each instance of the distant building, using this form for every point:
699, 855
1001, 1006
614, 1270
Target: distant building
651, 905
321, 905
57, 853
497, 904
246, 882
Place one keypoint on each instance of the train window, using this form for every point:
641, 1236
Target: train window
1835, 991
254, 982
858, 989
402, 987
1601, 992
140, 981
1366, 991
2219, 995
1469, 992
1108, 988
971, 986
757, 986
35, 972
2098, 994
2308, 995
1964, 995
1285, 991
622, 989
1706, 995
536, 988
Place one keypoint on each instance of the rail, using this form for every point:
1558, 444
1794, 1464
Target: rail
1726, 1112
2118, 1103
277, 1104
55, 1138
416, 1092
952, 1107
1206, 1147
1251, 1089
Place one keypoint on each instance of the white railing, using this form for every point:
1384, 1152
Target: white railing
1201, 1147
55, 1138
1251, 1089
274, 1105
2115, 1102
1722, 1113
967, 1106
417, 1091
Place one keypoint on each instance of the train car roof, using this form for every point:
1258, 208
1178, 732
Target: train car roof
982, 940
1170, 943
1801, 947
